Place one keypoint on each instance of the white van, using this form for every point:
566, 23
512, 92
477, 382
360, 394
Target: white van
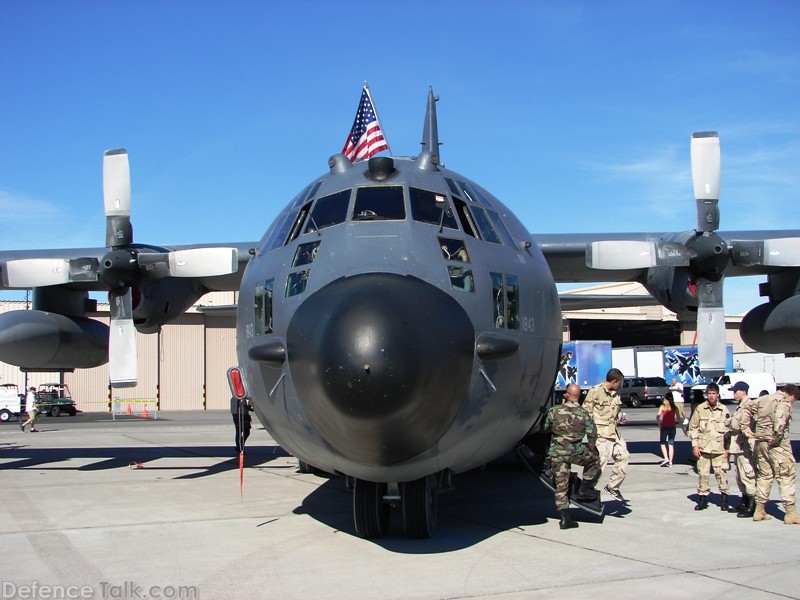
760, 384
9, 401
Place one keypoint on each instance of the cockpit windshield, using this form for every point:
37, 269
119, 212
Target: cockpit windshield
383, 203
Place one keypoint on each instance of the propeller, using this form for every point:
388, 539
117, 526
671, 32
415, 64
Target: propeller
708, 267
122, 268
703, 252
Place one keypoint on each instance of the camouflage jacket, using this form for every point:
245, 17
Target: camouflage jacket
771, 414
708, 427
570, 423
604, 407
738, 439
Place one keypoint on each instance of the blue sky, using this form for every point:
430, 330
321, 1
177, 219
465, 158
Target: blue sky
577, 115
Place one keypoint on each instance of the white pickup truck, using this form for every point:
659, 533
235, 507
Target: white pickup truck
760, 383
10, 401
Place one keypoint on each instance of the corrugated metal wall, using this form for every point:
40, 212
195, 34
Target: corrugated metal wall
184, 365
220, 356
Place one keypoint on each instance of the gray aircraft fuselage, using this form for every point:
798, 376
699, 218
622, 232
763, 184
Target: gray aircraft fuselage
395, 322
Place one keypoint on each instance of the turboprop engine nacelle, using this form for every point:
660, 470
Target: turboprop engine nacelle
35, 339
774, 327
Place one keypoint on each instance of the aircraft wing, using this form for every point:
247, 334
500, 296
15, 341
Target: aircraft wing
685, 272
570, 255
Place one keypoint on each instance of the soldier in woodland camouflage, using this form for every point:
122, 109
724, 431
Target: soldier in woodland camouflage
772, 414
570, 424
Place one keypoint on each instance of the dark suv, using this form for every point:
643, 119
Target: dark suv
636, 391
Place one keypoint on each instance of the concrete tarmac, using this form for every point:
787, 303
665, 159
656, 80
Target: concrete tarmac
78, 518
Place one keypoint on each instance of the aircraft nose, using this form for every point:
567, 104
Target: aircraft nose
381, 363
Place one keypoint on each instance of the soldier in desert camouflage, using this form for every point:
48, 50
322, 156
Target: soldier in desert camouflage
707, 429
775, 461
741, 452
570, 424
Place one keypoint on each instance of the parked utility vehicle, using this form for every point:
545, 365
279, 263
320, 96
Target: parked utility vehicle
10, 401
53, 399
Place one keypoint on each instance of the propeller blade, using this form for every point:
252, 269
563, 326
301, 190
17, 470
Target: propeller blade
777, 252
196, 262
711, 337
628, 254
35, 272
117, 198
122, 358
705, 176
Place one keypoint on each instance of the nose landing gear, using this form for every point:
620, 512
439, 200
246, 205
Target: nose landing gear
418, 500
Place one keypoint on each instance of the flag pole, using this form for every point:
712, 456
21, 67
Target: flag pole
377, 117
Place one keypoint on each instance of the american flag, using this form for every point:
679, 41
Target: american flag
366, 137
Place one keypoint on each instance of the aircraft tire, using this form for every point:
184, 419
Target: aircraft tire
420, 499
370, 512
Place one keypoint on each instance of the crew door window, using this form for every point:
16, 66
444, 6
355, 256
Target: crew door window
505, 300
263, 307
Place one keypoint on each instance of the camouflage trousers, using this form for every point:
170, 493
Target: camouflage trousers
616, 450
719, 464
775, 463
745, 470
562, 467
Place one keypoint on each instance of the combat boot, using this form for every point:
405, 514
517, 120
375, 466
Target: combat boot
742, 505
723, 506
566, 521
587, 492
748, 511
791, 518
702, 503
759, 514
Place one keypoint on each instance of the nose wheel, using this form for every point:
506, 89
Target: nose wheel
370, 511
418, 501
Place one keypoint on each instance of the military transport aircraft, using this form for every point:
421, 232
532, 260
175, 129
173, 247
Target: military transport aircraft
396, 324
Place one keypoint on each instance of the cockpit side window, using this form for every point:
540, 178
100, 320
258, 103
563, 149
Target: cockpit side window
431, 207
471, 194
305, 254
298, 223
485, 226
453, 187
501, 229
328, 210
307, 193
384, 203
453, 249
463, 215
278, 236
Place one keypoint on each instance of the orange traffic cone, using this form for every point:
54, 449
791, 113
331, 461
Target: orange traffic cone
145, 414
129, 411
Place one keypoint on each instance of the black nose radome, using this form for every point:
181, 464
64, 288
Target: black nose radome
381, 363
